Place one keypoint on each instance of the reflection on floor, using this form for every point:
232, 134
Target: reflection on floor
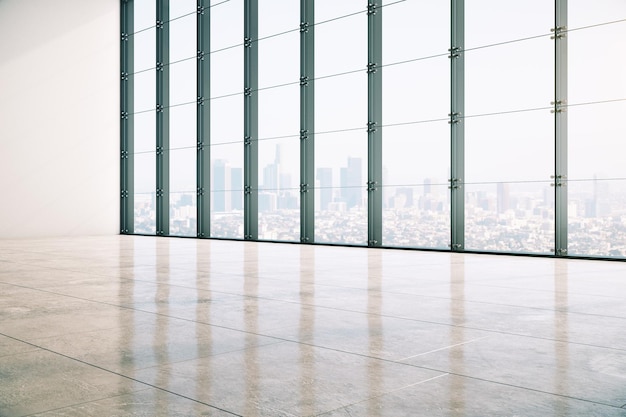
130, 325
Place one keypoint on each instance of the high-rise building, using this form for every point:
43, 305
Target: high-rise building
351, 183
222, 187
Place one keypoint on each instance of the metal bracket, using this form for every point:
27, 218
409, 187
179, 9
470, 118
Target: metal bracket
200, 146
247, 42
247, 140
454, 118
247, 91
372, 242
455, 246
371, 9
304, 188
124, 193
561, 251
371, 186
371, 67
559, 32
159, 108
124, 76
159, 66
454, 183
159, 150
455, 52
304, 27
304, 134
247, 189
371, 127
124, 37
159, 24
560, 181
124, 115
201, 101
304, 81
304, 239
201, 9
200, 55
124, 154
159, 192
200, 191
559, 106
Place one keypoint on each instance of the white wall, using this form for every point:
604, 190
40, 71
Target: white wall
59, 117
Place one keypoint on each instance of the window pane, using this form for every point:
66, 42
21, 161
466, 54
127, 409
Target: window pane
279, 121
183, 192
145, 197
416, 150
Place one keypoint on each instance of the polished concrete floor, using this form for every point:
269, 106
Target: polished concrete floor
142, 326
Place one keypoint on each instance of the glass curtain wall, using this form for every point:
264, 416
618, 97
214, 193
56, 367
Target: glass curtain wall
509, 127
144, 118
279, 120
182, 132
515, 133
416, 134
341, 121
596, 106
227, 122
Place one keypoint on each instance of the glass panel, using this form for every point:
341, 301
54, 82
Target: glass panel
279, 193
227, 25
226, 223
416, 157
144, 14
597, 180
183, 126
182, 7
279, 116
279, 60
522, 160
183, 38
278, 16
341, 197
183, 192
183, 82
145, 131
510, 77
596, 72
331, 9
509, 154
510, 217
597, 175
227, 187
416, 199
417, 216
584, 13
144, 94
145, 197
144, 52
597, 217
488, 22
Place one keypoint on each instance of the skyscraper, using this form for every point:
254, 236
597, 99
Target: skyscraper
325, 178
221, 186
351, 183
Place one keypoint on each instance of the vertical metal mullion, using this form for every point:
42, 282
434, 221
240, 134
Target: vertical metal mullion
457, 131
203, 119
374, 120
251, 146
560, 127
162, 119
127, 109
307, 121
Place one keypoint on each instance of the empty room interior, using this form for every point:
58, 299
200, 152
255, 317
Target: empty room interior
312, 208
